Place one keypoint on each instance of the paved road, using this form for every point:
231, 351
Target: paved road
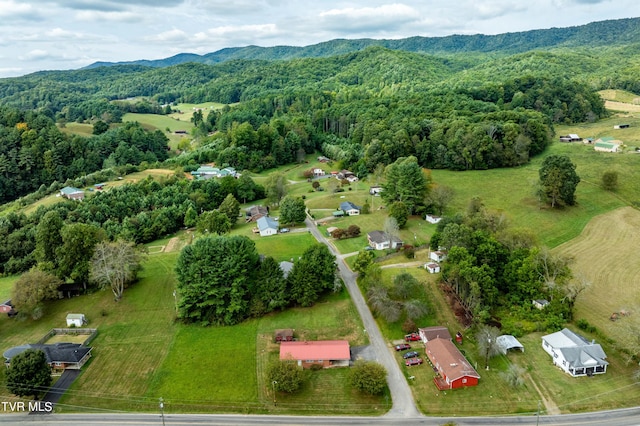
625, 417
401, 396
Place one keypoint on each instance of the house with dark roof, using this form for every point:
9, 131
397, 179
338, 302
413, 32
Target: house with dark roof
72, 193
574, 354
60, 356
254, 213
435, 332
380, 240
326, 353
349, 208
454, 371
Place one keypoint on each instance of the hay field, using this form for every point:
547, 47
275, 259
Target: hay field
606, 254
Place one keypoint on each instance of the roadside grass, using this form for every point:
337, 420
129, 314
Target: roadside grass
134, 337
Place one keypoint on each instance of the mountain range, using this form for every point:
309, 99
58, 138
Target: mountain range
595, 34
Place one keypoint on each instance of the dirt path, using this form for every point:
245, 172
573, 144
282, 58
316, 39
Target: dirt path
550, 407
172, 245
403, 265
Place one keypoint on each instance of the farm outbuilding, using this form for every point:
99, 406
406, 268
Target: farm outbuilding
284, 335
76, 320
506, 342
432, 267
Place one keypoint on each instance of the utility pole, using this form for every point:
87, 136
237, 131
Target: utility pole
538, 414
274, 383
486, 364
162, 410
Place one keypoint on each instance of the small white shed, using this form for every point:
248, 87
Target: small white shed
432, 267
76, 320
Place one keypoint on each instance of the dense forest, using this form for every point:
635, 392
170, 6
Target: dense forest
481, 109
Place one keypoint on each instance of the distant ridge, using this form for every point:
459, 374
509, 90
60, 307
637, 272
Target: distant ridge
601, 33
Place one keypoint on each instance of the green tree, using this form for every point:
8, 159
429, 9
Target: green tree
246, 188
405, 286
292, 210
270, 291
31, 289
368, 377
405, 182
99, 127
610, 180
216, 277
362, 262
78, 243
214, 222
28, 374
190, 217
312, 275
48, 239
439, 197
231, 208
275, 187
115, 265
400, 212
559, 180
285, 376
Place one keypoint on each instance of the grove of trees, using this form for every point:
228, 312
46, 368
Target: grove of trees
222, 280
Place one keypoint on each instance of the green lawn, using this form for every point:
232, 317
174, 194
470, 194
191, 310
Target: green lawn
142, 354
6, 287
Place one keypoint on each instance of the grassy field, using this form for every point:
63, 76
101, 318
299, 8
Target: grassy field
141, 353
606, 255
6, 286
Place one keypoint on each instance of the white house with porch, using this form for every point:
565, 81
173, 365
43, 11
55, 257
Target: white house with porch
574, 354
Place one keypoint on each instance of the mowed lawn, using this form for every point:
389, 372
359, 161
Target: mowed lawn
606, 255
141, 353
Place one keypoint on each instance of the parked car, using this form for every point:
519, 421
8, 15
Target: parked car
412, 354
284, 230
413, 337
368, 248
402, 347
413, 361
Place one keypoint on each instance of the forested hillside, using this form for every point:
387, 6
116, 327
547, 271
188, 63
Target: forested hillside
364, 108
603, 34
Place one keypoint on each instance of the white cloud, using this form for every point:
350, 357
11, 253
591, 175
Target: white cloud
239, 32
10, 8
101, 16
35, 55
386, 17
173, 35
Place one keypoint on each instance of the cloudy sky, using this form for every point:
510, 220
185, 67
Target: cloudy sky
68, 34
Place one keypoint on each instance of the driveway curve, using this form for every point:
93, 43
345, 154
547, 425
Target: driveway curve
403, 405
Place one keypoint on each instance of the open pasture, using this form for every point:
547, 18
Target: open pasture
605, 255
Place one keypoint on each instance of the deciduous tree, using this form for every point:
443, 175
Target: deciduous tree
292, 210
369, 377
115, 265
31, 289
559, 180
275, 188
610, 180
230, 207
28, 374
214, 222
405, 182
285, 376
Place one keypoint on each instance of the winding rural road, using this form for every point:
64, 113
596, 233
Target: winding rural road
401, 396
